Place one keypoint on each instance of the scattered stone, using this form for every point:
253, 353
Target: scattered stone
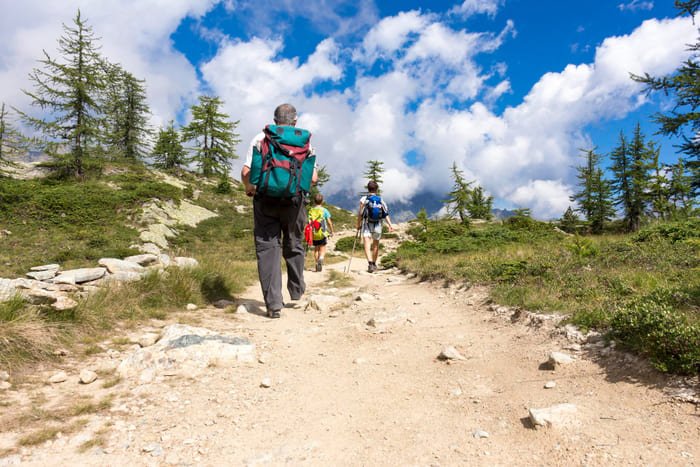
186, 349
42, 275
78, 276
5, 385
63, 303
148, 339
556, 359
7, 290
46, 267
480, 434
87, 376
266, 383
450, 353
164, 260
143, 260
59, 377
358, 361
363, 297
557, 415
322, 303
149, 248
4, 376
115, 266
242, 308
263, 358
223, 303
183, 262
191, 307
550, 385
151, 447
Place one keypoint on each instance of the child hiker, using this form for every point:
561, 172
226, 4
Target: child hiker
322, 227
373, 211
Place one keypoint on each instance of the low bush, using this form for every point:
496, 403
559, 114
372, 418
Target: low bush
670, 339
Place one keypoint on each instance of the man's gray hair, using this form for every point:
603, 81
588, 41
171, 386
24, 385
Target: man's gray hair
285, 114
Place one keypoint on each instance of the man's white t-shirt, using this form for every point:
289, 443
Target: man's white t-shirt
256, 144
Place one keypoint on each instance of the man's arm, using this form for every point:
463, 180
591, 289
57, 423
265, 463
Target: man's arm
388, 221
245, 178
359, 217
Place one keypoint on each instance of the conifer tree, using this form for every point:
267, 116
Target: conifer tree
126, 113
168, 152
323, 177
69, 90
585, 197
680, 191
213, 134
374, 171
684, 119
479, 205
595, 195
630, 166
603, 209
568, 221
658, 187
459, 197
12, 142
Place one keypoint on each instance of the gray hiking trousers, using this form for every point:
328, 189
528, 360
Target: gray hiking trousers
279, 231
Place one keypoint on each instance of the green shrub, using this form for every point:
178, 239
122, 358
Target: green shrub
345, 244
669, 338
673, 231
389, 260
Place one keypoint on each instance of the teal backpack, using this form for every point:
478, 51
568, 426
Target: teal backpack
284, 166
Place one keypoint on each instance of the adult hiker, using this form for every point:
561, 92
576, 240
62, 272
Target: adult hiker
373, 212
321, 227
278, 171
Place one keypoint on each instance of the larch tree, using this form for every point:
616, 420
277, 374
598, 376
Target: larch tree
67, 92
322, 179
374, 171
459, 197
213, 134
479, 204
683, 120
168, 152
594, 197
631, 161
12, 142
126, 110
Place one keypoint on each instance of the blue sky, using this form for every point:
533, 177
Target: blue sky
507, 89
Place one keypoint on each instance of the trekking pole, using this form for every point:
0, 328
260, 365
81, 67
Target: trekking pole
353, 250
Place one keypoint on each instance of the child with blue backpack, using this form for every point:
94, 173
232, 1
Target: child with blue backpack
373, 213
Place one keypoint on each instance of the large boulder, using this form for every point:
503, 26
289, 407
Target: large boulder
185, 350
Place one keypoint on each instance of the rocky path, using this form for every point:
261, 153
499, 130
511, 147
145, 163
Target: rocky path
352, 374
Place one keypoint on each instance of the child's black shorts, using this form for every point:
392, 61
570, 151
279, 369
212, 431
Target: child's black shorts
322, 242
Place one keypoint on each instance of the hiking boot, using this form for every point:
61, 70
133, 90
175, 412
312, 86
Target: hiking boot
371, 267
273, 313
319, 265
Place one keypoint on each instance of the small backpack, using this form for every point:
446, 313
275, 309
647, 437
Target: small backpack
283, 166
374, 209
318, 223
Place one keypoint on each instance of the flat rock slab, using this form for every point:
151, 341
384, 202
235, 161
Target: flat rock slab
185, 349
42, 275
115, 265
143, 260
78, 276
7, 290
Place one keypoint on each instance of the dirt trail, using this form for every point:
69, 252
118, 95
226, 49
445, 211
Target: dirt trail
345, 392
